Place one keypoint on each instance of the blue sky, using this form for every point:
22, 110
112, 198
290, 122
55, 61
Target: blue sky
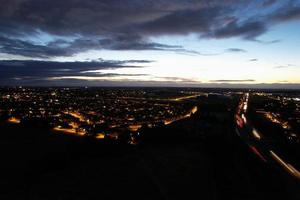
146, 43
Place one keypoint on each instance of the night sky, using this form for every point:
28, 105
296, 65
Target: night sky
199, 43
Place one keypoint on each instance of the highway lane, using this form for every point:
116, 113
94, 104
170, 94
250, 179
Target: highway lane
257, 143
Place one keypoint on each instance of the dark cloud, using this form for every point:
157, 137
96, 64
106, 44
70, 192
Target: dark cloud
268, 42
284, 85
28, 49
280, 66
233, 81
287, 14
179, 79
253, 60
17, 70
184, 22
268, 3
128, 42
236, 50
285, 66
75, 26
64, 48
248, 30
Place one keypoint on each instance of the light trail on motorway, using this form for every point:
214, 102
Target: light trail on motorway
256, 134
288, 167
255, 141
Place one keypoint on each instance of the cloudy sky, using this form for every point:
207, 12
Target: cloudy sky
236, 43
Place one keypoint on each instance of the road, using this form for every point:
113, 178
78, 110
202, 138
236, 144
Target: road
260, 145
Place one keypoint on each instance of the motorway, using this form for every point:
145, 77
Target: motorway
259, 145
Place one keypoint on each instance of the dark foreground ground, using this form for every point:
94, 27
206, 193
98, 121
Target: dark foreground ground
198, 158
60, 167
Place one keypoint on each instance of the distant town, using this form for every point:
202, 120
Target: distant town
97, 112
250, 129
111, 111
